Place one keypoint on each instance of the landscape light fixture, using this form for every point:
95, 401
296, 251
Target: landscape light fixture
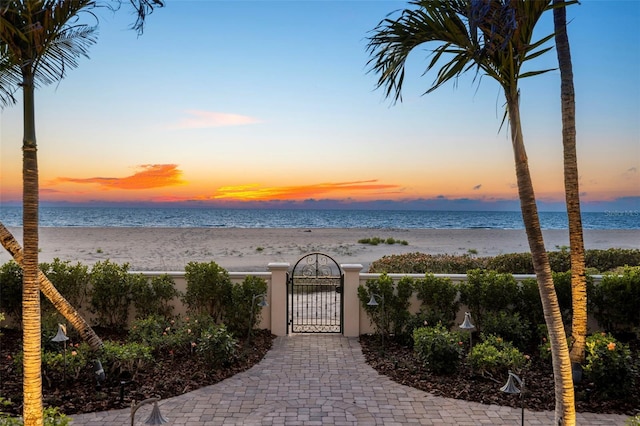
99, 373
511, 388
373, 302
262, 303
61, 337
468, 326
155, 418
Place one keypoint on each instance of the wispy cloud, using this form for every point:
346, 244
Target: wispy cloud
148, 176
198, 119
477, 187
301, 192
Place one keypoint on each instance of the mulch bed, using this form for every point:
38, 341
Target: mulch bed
171, 376
398, 362
168, 376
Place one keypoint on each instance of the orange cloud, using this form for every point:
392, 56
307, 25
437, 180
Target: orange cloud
149, 176
206, 119
255, 192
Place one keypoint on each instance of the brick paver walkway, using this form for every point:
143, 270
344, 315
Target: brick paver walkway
323, 380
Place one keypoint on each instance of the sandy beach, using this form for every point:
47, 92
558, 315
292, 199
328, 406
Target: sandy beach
250, 250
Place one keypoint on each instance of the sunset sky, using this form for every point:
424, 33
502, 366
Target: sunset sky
224, 102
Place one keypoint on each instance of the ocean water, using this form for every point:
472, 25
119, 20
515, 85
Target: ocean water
281, 218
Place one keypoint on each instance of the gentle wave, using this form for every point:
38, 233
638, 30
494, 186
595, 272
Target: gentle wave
280, 218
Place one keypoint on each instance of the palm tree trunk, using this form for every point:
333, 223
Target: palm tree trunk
571, 187
565, 401
31, 344
48, 289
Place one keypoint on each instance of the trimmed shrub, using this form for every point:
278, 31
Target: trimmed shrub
208, 289
609, 366
439, 300
11, 294
488, 291
244, 313
616, 300
495, 356
391, 314
72, 281
153, 296
510, 326
438, 349
217, 346
420, 263
610, 259
111, 294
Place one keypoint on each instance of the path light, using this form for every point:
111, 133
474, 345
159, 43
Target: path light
373, 302
99, 373
511, 388
155, 418
61, 336
468, 326
262, 303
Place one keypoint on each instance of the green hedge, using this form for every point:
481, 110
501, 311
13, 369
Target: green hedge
599, 261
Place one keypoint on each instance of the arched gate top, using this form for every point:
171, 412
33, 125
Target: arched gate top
316, 265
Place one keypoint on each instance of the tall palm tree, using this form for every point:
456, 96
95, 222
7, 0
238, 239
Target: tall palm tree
41, 43
493, 37
571, 186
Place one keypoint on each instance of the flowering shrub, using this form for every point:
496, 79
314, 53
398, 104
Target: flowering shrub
609, 366
217, 346
510, 326
438, 349
53, 363
496, 356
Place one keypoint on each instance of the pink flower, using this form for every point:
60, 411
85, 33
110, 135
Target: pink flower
611, 346
188, 331
193, 344
74, 353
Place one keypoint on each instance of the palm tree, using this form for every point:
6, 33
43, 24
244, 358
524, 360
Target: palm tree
493, 37
39, 41
572, 190
40, 45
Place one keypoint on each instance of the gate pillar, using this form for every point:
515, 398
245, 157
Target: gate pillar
350, 299
278, 297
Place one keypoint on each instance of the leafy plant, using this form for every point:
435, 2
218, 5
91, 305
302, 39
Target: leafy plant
52, 417
510, 326
55, 365
153, 296
616, 299
439, 299
488, 291
439, 350
217, 346
243, 314
208, 289
11, 285
495, 356
609, 366
391, 314
111, 293
72, 281
128, 358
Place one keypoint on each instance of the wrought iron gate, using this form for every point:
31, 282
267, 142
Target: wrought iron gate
315, 295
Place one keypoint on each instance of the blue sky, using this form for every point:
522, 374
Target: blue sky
228, 102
